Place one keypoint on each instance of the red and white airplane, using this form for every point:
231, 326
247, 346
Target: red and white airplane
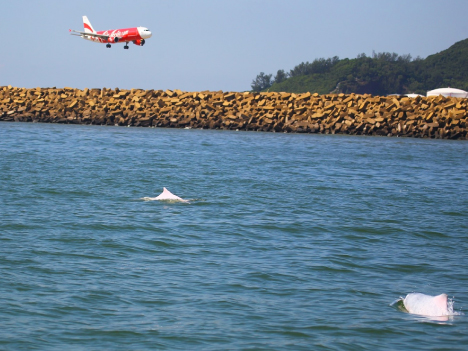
136, 35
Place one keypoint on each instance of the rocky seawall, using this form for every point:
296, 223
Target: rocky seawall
422, 117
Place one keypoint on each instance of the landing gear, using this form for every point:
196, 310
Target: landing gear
126, 46
108, 46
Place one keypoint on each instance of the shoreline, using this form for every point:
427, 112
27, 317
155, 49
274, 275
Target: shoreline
434, 117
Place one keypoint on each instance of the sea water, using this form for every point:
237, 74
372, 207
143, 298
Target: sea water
289, 242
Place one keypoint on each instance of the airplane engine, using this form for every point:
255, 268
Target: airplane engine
139, 42
116, 39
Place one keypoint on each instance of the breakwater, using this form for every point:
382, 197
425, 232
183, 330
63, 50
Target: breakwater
425, 117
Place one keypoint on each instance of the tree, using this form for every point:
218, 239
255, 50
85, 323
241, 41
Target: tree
280, 76
320, 65
300, 70
263, 81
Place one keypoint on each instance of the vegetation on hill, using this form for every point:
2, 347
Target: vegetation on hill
381, 74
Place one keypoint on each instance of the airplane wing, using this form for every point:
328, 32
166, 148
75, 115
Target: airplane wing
90, 34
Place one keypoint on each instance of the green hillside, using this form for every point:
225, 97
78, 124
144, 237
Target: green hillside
382, 74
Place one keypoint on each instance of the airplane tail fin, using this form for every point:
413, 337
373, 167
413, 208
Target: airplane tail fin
88, 28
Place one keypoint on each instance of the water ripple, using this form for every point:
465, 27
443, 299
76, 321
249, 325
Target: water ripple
290, 241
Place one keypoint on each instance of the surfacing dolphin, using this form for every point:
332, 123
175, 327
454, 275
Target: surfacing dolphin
166, 195
428, 306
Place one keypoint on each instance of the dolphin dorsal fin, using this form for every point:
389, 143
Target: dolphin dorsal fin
167, 195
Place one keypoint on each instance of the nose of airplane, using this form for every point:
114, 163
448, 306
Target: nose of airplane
145, 33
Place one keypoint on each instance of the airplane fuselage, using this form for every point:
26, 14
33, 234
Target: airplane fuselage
135, 34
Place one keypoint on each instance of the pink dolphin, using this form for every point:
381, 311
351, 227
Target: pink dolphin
166, 195
426, 305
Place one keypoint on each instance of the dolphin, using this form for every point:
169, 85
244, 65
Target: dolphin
166, 195
427, 305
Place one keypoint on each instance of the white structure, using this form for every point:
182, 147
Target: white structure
448, 92
413, 95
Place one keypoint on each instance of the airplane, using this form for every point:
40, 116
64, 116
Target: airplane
136, 35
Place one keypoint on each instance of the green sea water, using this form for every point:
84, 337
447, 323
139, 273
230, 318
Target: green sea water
289, 242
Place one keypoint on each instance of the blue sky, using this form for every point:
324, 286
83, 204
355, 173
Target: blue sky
211, 44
